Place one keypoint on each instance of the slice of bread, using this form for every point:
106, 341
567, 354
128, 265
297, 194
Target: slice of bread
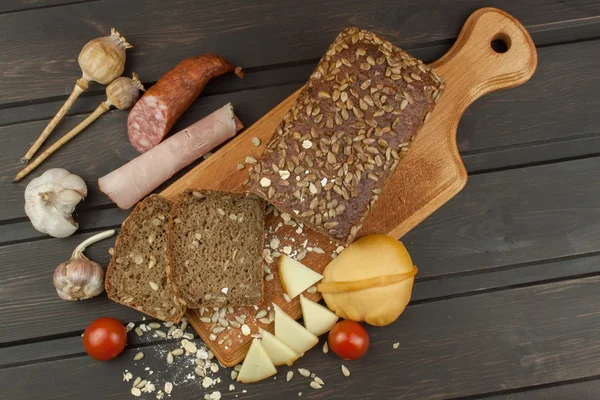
215, 248
136, 276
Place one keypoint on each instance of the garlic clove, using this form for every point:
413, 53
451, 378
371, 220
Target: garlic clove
66, 201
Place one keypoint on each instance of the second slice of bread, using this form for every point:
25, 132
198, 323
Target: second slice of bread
215, 248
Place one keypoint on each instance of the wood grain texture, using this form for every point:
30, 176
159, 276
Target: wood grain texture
104, 146
8, 6
475, 242
426, 178
495, 132
460, 347
237, 30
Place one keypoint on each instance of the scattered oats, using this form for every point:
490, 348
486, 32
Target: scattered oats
160, 334
269, 277
315, 385
177, 352
304, 372
250, 160
245, 330
160, 395
234, 375
215, 396
232, 387
345, 370
299, 394
312, 290
261, 314
204, 157
189, 336
289, 376
339, 249
238, 367
212, 337
325, 347
154, 325
170, 358
207, 382
214, 368
138, 331
318, 250
287, 250
168, 387
274, 243
396, 345
319, 381
136, 392
137, 381
286, 298
111, 251
256, 141
130, 326
189, 346
240, 167
154, 286
177, 333
199, 371
138, 356
127, 376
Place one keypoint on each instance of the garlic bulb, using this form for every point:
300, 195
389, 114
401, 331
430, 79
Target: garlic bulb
80, 278
50, 199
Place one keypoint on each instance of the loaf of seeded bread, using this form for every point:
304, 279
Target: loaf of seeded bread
136, 275
215, 248
352, 123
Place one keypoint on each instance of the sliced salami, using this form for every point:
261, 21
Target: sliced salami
160, 107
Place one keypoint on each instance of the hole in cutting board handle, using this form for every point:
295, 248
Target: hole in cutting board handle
501, 43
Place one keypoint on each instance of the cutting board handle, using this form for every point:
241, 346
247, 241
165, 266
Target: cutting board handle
475, 68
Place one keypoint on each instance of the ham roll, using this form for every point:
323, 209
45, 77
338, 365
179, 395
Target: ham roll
130, 183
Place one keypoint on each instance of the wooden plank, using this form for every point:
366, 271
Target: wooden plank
579, 390
459, 347
512, 217
553, 214
429, 290
8, 6
104, 146
242, 32
487, 138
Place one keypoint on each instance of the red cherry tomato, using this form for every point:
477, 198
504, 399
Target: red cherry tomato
105, 338
348, 339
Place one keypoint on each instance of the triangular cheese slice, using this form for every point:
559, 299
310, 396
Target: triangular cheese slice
257, 364
278, 352
318, 319
290, 332
295, 276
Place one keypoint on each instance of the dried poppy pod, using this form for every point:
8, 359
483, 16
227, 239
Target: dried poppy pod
101, 60
122, 93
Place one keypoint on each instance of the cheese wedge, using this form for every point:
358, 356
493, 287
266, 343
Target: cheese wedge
295, 276
318, 319
290, 332
278, 352
257, 364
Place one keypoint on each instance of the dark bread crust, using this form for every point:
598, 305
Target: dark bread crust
213, 259
128, 282
350, 126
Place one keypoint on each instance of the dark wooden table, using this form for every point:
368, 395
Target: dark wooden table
506, 304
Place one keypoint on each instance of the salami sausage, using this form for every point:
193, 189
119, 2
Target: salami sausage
130, 183
161, 106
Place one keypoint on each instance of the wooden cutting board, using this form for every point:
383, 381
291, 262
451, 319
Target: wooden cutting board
430, 174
